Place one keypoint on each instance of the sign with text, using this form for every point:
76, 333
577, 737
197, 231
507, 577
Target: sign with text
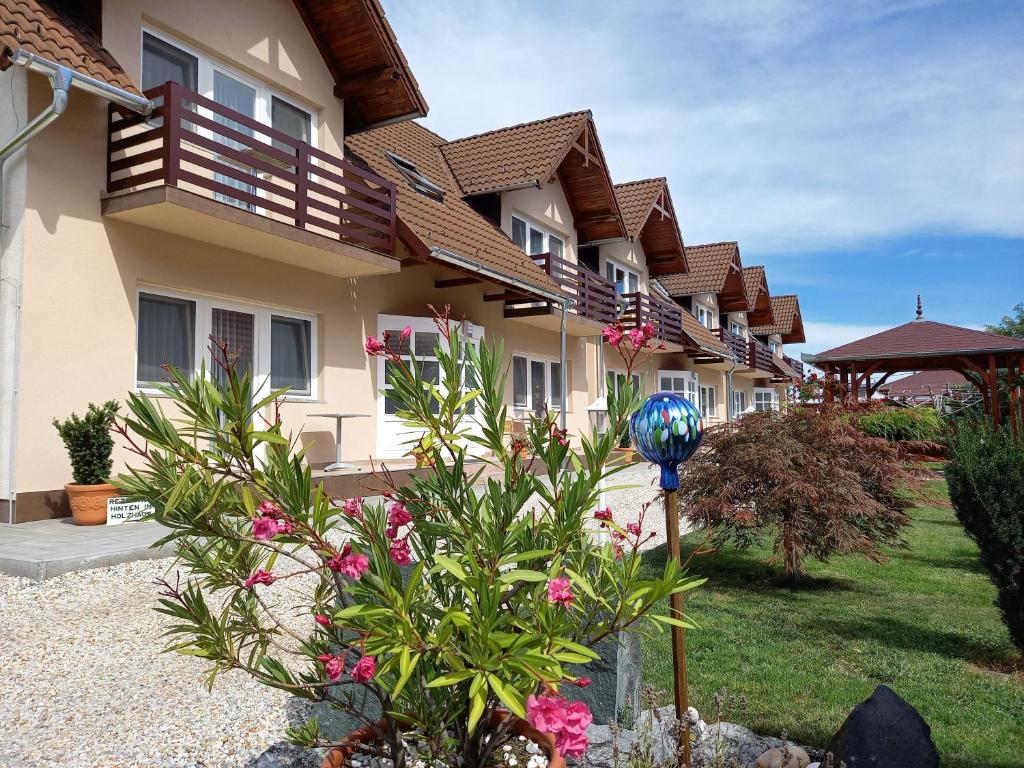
122, 510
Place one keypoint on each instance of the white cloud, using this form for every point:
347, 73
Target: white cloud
821, 336
781, 123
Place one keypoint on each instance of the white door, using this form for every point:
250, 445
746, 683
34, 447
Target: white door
392, 435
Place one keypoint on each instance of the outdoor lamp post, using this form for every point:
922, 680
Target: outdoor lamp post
598, 412
667, 430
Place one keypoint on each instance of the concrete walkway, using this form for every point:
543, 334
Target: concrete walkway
48, 548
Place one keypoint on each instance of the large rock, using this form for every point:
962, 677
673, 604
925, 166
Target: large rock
614, 691
884, 731
285, 755
787, 757
730, 744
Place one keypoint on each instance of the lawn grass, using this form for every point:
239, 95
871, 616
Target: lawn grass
923, 624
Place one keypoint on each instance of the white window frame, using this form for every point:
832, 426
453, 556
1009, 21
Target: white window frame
616, 374
739, 402
530, 406
547, 233
708, 319
204, 83
627, 270
205, 304
737, 329
702, 389
690, 390
763, 393
775, 347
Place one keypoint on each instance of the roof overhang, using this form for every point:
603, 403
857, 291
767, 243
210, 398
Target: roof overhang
732, 296
759, 307
583, 173
661, 238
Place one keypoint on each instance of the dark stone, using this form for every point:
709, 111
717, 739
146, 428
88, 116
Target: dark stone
285, 755
614, 691
884, 731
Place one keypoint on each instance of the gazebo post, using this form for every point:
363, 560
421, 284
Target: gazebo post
993, 373
1012, 365
854, 388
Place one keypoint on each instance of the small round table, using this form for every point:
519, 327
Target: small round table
338, 418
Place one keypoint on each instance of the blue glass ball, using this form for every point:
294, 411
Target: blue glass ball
667, 430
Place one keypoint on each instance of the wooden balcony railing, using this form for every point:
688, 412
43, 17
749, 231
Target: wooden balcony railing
593, 296
194, 143
795, 364
736, 344
760, 356
640, 308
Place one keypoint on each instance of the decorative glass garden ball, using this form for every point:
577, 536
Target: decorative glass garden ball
667, 430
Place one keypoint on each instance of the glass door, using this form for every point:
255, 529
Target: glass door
234, 94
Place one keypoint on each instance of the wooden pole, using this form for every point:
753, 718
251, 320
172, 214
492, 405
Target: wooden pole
993, 373
678, 633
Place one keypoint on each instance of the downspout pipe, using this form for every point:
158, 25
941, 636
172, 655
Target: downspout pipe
62, 79
729, 408
460, 261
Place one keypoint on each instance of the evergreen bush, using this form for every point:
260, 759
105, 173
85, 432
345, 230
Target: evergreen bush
89, 442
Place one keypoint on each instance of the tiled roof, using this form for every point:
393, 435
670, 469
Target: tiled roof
709, 267
41, 29
923, 383
753, 279
635, 199
450, 224
786, 309
925, 338
785, 368
704, 338
516, 156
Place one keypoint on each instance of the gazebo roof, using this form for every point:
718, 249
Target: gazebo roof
920, 338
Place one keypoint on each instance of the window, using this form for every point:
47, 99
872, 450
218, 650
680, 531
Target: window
289, 119
163, 62
704, 316
167, 335
708, 397
616, 380
680, 383
775, 347
737, 330
536, 384
625, 279
415, 177
273, 345
536, 240
739, 402
766, 399
424, 344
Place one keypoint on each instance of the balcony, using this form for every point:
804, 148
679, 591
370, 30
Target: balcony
593, 297
736, 344
795, 364
198, 169
760, 356
640, 308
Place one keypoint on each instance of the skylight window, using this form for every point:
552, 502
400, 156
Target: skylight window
416, 179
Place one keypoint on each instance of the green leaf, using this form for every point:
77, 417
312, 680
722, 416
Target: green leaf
477, 702
451, 678
508, 695
674, 621
451, 565
522, 574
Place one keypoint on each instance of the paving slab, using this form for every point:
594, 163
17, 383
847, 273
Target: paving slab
47, 548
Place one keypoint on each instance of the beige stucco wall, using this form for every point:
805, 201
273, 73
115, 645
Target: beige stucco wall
628, 254
265, 39
548, 207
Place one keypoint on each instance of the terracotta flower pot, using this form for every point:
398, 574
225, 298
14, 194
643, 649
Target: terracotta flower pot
89, 502
336, 756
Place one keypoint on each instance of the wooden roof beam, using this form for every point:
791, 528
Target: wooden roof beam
367, 82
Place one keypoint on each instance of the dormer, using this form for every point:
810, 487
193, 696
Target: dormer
787, 326
713, 290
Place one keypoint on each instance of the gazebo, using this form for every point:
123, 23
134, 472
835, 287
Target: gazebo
926, 345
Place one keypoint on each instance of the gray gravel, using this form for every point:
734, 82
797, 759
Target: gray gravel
83, 683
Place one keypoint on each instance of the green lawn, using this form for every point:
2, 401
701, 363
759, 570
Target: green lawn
923, 624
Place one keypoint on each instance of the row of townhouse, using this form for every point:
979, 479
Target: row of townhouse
252, 170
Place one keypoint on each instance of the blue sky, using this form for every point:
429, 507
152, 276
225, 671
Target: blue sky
862, 156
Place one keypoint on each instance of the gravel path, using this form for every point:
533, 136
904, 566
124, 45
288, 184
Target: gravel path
83, 683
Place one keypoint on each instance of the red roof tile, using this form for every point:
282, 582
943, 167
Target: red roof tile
922, 338
789, 323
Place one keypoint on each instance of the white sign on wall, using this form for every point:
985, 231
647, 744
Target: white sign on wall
121, 510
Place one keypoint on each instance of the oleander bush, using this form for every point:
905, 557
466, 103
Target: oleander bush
985, 474
458, 595
901, 424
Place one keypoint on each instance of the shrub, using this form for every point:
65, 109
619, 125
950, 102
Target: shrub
89, 442
813, 483
985, 475
921, 423
455, 596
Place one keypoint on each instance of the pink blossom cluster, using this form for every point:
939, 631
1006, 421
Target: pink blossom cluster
560, 591
270, 522
260, 577
354, 507
380, 348
334, 667
349, 563
566, 721
398, 518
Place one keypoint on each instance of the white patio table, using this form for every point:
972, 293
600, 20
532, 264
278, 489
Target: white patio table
338, 419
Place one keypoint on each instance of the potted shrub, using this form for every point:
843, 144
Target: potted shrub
89, 445
455, 605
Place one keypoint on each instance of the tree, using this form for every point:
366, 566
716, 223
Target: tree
1010, 326
986, 485
811, 481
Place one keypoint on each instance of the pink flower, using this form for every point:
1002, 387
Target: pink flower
612, 335
354, 565
617, 551
560, 592
264, 528
560, 435
374, 346
633, 528
398, 516
648, 329
334, 666
365, 669
583, 682
268, 508
354, 507
399, 552
322, 620
285, 526
604, 515
259, 577
636, 337
568, 722
406, 332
